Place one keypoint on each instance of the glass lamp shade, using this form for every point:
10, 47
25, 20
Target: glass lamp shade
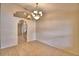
40, 12
35, 11
37, 17
33, 14
37, 14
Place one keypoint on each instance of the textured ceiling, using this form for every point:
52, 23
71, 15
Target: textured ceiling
51, 7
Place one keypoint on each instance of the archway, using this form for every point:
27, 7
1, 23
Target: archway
22, 31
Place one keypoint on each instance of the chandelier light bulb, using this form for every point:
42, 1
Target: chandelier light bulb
37, 17
35, 12
40, 13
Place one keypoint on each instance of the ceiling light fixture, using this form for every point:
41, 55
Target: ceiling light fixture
37, 13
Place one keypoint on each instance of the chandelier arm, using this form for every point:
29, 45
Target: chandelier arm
36, 13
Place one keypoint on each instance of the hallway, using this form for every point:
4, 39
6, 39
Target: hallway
22, 31
34, 48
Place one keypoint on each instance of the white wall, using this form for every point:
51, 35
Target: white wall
9, 25
31, 30
55, 33
0, 25
55, 28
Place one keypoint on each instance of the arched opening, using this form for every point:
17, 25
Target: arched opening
22, 31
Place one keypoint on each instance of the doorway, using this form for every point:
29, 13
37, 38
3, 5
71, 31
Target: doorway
22, 32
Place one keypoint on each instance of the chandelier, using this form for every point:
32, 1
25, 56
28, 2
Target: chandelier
37, 13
